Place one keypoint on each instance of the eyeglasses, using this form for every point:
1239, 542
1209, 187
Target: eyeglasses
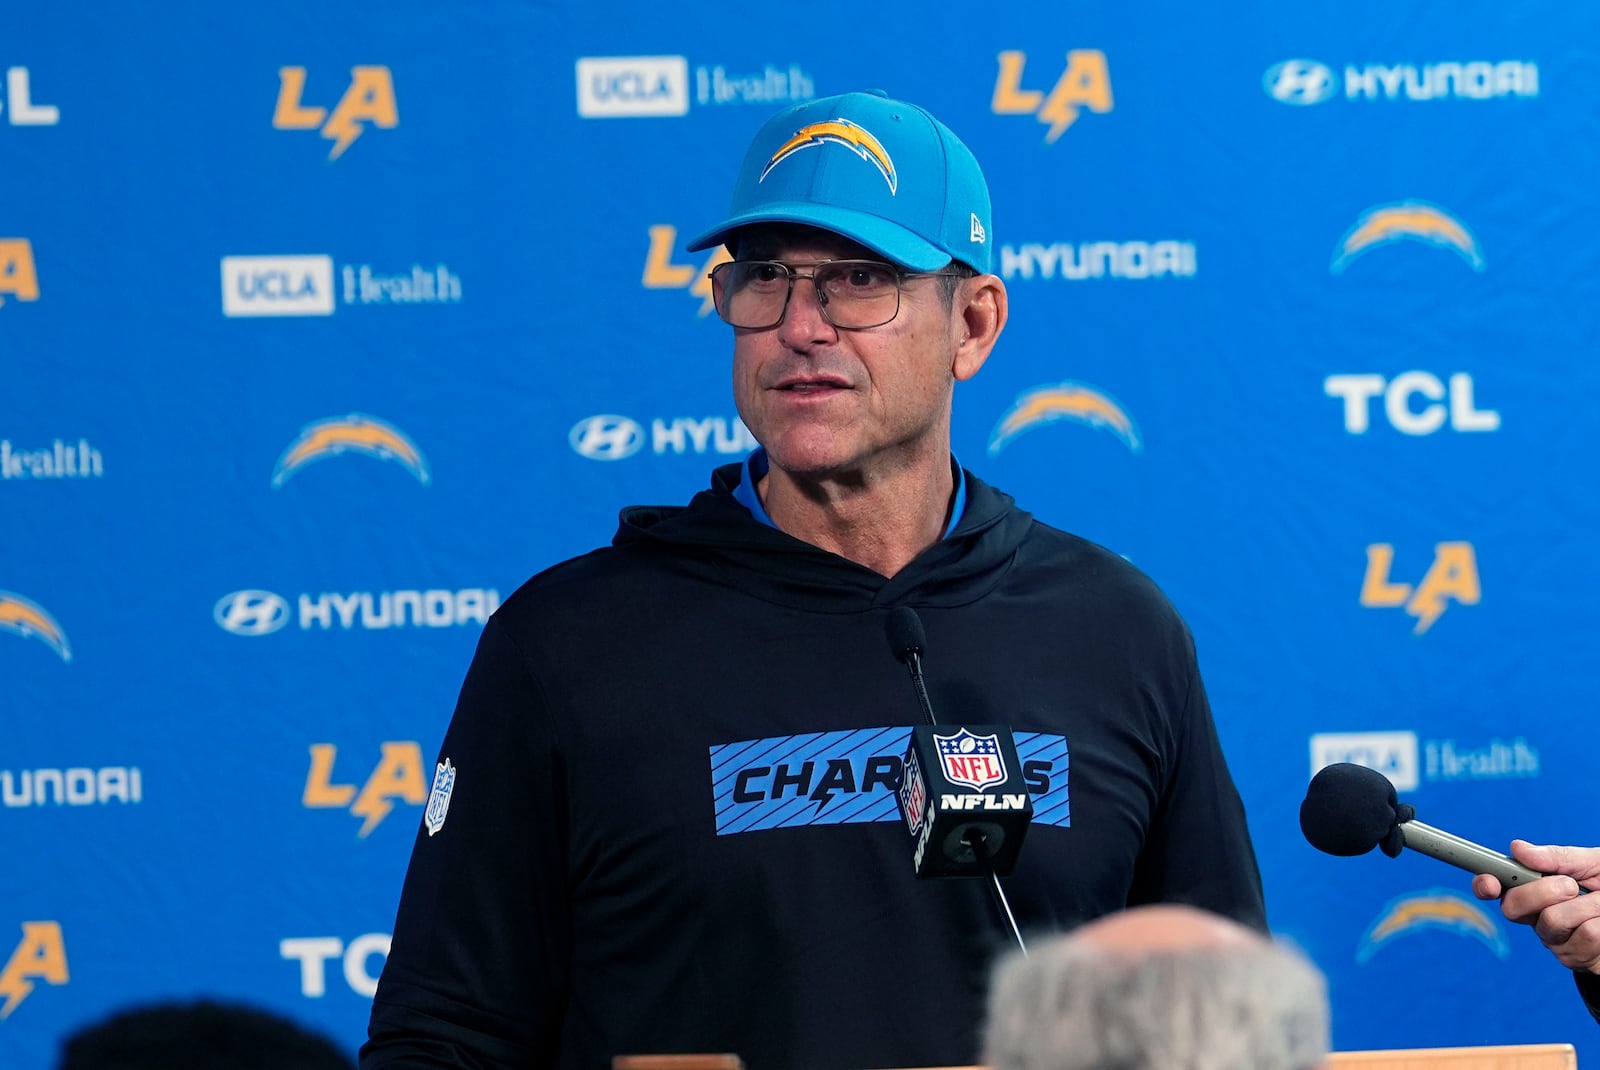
852, 294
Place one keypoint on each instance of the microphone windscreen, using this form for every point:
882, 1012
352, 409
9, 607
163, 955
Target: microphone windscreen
906, 636
1349, 809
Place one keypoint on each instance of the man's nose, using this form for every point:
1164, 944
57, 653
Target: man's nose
803, 322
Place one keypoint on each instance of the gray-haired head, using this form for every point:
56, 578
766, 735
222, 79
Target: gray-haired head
1158, 988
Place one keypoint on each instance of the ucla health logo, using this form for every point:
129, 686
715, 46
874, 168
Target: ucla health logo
305, 286
19, 277
1394, 754
1084, 83
277, 285
1434, 910
619, 87
1407, 762
29, 620
612, 87
367, 99
1072, 401
59, 460
357, 433
1415, 221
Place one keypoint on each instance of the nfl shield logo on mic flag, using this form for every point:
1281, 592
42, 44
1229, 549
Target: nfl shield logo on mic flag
971, 760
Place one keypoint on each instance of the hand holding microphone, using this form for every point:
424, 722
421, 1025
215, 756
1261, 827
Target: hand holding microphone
1350, 809
1566, 919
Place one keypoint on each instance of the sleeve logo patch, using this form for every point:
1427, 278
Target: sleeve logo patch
444, 782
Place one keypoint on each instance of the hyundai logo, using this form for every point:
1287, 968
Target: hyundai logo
251, 612
606, 438
1300, 82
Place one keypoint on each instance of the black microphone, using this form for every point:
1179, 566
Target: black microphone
961, 789
908, 641
1350, 809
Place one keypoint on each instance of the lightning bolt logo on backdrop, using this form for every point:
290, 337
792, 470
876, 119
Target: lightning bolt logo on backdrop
837, 132
358, 433
850, 777
40, 954
28, 619
1436, 908
1054, 402
1407, 221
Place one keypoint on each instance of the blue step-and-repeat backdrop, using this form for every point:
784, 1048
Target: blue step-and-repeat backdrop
322, 327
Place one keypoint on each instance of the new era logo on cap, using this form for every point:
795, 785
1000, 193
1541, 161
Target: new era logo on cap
978, 234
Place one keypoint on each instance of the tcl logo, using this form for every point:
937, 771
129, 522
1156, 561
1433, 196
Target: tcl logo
1400, 405
314, 953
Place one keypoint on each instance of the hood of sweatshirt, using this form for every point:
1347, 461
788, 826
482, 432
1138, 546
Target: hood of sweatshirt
716, 537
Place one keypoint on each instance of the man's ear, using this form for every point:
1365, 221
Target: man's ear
981, 308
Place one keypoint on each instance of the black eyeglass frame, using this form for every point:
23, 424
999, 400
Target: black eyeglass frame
901, 276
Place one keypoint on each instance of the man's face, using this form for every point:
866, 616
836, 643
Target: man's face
844, 404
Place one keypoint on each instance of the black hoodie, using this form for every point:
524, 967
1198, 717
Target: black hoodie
672, 826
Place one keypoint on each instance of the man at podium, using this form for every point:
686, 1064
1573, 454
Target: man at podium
665, 813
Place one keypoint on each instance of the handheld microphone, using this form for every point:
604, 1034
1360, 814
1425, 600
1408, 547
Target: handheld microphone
1350, 809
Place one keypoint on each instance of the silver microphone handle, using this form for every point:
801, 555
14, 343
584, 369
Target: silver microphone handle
1464, 854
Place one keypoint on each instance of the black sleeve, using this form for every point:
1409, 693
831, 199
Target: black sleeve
476, 975
1589, 988
1198, 850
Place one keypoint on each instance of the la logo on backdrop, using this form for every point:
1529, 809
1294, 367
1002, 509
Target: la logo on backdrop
41, 955
369, 98
1453, 577
396, 777
1085, 82
19, 276
660, 273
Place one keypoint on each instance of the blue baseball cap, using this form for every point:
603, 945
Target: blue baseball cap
878, 171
